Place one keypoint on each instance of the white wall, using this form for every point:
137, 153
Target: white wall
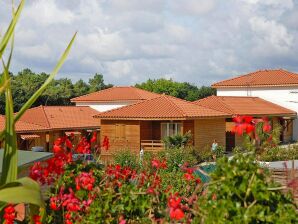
283, 96
101, 107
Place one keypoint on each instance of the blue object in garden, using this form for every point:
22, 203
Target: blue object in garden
207, 169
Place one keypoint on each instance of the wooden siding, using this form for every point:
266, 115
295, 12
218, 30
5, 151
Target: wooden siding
131, 141
206, 130
146, 130
189, 125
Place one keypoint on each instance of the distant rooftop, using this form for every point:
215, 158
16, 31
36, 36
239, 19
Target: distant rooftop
161, 108
117, 93
55, 117
278, 77
238, 105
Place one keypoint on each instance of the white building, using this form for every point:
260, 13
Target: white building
277, 86
114, 97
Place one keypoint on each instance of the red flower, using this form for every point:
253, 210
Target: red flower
266, 127
237, 119
68, 143
176, 214
155, 163
247, 119
85, 180
106, 143
198, 181
188, 177
250, 128
94, 137
9, 214
36, 219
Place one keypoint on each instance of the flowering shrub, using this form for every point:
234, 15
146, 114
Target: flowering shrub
161, 189
241, 191
85, 193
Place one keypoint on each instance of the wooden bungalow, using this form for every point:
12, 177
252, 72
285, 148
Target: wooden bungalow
40, 126
145, 124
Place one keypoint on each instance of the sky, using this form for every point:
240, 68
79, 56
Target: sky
130, 41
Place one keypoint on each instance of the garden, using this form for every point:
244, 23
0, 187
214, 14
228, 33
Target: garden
168, 187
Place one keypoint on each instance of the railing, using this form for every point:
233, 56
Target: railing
284, 176
152, 145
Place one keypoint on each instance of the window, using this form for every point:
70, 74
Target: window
170, 129
120, 131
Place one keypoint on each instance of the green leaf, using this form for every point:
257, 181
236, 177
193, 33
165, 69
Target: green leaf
29, 103
24, 190
9, 166
3, 86
10, 30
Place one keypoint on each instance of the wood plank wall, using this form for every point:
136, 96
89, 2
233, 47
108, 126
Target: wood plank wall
206, 130
132, 136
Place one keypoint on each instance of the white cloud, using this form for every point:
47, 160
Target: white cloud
129, 41
269, 33
47, 12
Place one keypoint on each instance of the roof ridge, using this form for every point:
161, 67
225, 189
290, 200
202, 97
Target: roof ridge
209, 107
286, 72
88, 94
236, 77
175, 105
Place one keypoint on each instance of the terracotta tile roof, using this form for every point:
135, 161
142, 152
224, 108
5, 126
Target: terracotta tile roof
44, 118
62, 117
123, 93
22, 126
261, 78
161, 108
244, 106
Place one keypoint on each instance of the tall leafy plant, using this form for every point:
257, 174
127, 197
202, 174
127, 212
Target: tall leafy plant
13, 190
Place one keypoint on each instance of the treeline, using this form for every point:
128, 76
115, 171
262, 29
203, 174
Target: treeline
60, 91
183, 90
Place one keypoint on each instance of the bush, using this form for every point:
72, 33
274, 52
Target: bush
177, 141
279, 154
176, 158
242, 192
126, 158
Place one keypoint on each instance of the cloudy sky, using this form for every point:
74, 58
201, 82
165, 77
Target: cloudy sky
129, 41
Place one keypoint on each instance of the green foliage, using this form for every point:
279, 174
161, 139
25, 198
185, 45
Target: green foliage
177, 141
126, 158
220, 151
242, 192
279, 154
59, 92
97, 83
176, 158
183, 90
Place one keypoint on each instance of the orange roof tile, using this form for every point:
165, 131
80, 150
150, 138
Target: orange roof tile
123, 93
62, 117
261, 78
45, 118
236, 105
22, 126
161, 108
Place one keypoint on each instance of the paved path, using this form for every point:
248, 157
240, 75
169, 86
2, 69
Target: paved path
280, 164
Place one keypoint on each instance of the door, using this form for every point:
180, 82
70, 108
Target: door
230, 141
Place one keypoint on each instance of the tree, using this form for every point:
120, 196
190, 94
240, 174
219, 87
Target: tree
97, 83
183, 90
81, 88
